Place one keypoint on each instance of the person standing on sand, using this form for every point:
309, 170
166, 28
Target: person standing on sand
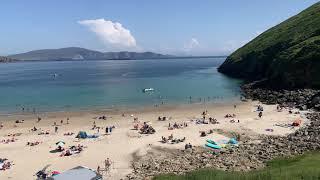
39, 119
107, 164
56, 129
107, 130
98, 170
67, 120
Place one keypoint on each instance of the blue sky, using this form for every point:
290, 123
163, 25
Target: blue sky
183, 27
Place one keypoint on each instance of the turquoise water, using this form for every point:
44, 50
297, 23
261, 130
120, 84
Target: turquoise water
85, 85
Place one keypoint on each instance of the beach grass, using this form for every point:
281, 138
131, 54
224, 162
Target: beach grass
300, 167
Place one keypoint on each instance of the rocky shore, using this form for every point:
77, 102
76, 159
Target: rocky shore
299, 98
251, 153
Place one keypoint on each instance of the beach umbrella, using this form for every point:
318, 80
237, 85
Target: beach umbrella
60, 143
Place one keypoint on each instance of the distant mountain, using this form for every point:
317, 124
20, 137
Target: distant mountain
75, 53
287, 55
4, 59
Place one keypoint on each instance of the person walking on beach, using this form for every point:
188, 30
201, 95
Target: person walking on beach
61, 121
107, 164
260, 114
98, 170
56, 129
67, 120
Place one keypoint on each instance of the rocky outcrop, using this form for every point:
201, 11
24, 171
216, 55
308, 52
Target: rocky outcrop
300, 98
249, 155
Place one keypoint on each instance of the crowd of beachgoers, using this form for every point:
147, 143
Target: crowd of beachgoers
88, 139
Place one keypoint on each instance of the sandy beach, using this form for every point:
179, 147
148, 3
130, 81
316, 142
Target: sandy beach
123, 141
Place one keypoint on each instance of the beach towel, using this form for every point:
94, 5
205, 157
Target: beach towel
92, 136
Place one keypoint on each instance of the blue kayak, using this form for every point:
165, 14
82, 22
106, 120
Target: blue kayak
211, 141
213, 146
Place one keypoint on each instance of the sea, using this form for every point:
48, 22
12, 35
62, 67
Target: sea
51, 86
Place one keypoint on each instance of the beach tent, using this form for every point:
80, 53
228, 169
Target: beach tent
60, 143
82, 135
78, 173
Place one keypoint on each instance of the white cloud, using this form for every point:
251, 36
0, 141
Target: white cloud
192, 44
232, 45
110, 32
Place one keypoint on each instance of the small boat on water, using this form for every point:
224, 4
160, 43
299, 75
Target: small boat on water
54, 75
147, 90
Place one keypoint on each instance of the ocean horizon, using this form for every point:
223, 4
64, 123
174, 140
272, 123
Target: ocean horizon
97, 84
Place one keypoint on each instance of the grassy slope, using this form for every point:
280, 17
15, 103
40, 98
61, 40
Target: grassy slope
300, 167
274, 53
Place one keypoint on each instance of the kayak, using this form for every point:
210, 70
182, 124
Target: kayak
213, 146
211, 141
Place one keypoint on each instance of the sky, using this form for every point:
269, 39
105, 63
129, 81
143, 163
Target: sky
178, 27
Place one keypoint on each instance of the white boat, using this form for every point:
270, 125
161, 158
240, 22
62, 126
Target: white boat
148, 90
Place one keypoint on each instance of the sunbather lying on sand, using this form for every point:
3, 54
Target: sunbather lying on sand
73, 150
7, 141
14, 134
6, 165
19, 121
33, 143
230, 116
43, 132
68, 134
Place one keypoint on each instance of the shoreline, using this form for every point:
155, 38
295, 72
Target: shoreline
118, 109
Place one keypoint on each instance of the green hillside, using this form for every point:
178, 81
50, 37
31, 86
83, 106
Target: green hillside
288, 55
